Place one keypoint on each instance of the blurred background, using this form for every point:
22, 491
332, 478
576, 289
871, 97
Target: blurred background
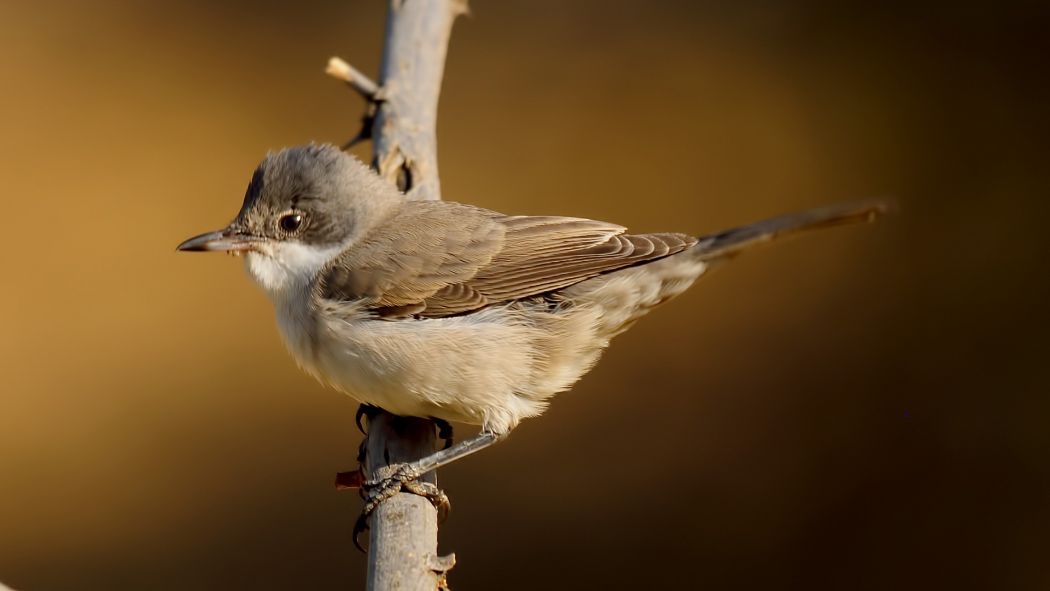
865, 407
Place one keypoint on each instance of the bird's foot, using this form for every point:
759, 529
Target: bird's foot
390, 480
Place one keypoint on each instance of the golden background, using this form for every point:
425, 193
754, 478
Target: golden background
861, 408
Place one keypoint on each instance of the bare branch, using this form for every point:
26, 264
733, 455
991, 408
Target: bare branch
402, 547
405, 130
401, 120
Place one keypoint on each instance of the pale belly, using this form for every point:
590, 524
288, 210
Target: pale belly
493, 367
482, 369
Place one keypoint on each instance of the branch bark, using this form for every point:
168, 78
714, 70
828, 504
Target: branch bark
403, 535
405, 128
402, 546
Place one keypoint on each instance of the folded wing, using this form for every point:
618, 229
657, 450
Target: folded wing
437, 259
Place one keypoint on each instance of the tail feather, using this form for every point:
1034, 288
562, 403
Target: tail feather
731, 242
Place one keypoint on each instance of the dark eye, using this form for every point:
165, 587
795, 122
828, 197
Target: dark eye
290, 222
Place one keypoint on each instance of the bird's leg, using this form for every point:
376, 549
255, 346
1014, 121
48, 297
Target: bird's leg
390, 480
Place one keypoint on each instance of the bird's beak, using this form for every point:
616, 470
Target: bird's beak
227, 240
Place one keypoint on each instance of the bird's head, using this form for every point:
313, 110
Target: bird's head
303, 206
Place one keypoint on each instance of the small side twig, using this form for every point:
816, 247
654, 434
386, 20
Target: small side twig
354, 78
372, 93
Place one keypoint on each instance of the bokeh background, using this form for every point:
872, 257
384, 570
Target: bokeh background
865, 407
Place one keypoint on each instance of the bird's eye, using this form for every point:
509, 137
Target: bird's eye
290, 222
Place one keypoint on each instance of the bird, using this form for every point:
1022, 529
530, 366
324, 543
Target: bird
450, 311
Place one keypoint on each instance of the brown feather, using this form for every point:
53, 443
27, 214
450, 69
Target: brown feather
436, 259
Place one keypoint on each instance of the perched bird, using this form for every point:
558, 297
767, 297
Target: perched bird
439, 309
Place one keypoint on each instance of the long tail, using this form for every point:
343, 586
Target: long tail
731, 242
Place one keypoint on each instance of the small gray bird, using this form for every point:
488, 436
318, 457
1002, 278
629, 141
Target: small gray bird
438, 309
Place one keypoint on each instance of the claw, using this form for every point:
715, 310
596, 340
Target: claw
360, 526
432, 493
357, 419
364, 410
428, 491
444, 431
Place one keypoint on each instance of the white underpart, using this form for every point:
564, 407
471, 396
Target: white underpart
492, 367
286, 272
288, 265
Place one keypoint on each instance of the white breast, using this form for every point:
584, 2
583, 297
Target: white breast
286, 272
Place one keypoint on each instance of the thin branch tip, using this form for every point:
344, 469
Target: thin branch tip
340, 69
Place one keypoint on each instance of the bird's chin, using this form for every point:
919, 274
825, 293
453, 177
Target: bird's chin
266, 271
281, 267
252, 256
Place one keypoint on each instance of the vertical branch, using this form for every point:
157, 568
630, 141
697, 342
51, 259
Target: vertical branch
413, 64
402, 547
403, 117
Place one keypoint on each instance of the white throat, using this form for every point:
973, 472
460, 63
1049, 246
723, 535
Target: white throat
288, 266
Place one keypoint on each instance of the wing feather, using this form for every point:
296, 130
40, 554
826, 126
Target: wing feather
436, 259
